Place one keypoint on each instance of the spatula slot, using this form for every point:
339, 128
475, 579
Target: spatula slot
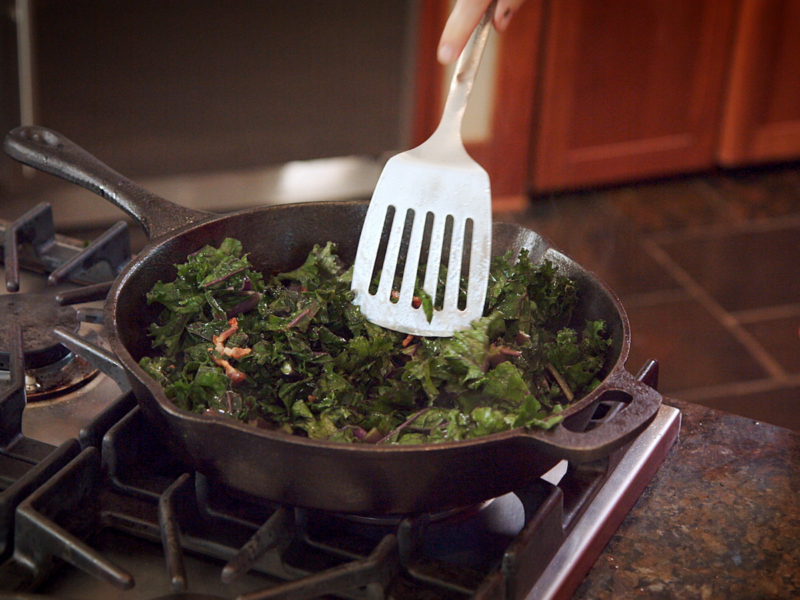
402, 255
424, 255
463, 284
434, 255
444, 261
377, 268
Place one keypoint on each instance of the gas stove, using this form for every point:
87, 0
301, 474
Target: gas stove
93, 505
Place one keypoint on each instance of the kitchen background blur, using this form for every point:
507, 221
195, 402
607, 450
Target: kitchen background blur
655, 141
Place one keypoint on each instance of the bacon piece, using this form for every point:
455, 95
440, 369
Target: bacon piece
219, 342
234, 374
234, 327
236, 353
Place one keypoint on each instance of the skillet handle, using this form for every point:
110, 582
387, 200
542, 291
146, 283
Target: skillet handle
53, 153
642, 404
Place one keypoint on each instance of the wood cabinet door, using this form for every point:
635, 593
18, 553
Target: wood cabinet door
761, 121
630, 89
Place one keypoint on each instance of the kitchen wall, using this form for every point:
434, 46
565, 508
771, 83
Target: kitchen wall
161, 89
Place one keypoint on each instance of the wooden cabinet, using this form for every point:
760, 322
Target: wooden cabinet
761, 119
629, 89
591, 93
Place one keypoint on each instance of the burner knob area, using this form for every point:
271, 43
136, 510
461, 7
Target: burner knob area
37, 315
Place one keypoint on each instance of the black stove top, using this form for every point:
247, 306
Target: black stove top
94, 505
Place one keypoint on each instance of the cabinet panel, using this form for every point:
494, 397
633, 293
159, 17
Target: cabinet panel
762, 113
631, 88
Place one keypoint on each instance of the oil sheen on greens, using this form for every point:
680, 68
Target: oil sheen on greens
316, 367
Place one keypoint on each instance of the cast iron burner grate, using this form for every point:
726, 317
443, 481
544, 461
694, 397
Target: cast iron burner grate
30, 242
114, 509
34, 365
126, 483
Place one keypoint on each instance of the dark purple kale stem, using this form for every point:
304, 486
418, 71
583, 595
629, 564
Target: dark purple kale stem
249, 303
298, 318
358, 432
311, 310
499, 354
402, 426
223, 278
562, 383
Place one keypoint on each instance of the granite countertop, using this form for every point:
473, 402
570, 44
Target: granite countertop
720, 518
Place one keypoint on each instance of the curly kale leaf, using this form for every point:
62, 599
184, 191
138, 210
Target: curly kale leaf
293, 353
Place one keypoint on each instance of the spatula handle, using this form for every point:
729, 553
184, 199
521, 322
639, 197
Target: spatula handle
464, 78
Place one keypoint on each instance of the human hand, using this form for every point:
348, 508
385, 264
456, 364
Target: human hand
464, 18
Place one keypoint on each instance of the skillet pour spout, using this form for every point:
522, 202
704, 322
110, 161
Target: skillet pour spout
348, 478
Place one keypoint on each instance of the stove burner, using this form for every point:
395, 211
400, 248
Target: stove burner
37, 315
57, 380
394, 520
50, 368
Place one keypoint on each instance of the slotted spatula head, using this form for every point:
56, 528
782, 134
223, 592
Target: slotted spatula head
422, 264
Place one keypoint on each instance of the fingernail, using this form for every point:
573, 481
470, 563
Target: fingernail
446, 54
504, 20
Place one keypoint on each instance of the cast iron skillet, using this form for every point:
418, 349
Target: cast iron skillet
359, 479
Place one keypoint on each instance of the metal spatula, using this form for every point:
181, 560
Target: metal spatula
431, 213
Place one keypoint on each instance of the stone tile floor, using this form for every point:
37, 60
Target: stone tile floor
708, 270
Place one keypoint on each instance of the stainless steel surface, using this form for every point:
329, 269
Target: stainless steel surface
58, 420
152, 84
609, 508
144, 559
322, 179
432, 185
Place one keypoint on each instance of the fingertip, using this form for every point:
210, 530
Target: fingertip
502, 19
446, 54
